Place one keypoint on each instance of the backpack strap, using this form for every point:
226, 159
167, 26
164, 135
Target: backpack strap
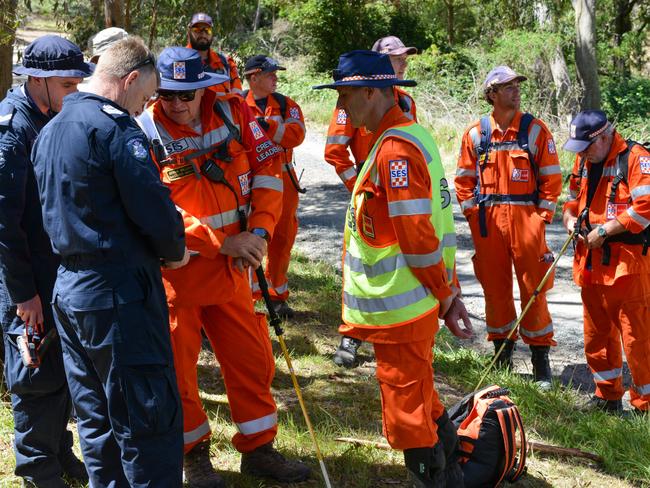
282, 102
520, 466
522, 139
403, 103
220, 150
509, 441
482, 156
226, 65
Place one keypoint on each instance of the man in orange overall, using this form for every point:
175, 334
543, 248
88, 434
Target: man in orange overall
200, 37
507, 182
611, 178
342, 135
281, 118
224, 177
399, 266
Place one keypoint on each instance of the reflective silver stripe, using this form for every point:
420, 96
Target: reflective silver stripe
423, 260
409, 115
505, 146
348, 174
493, 203
546, 204
194, 435
501, 330
237, 91
217, 221
608, 375
466, 172
550, 170
295, 121
270, 182
638, 218
277, 118
343, 140
226, 110
469, 203
255, 287
475, 136
387, 265
386, 304
640, 191
412, 139
573, 195
609, 171
417, 206
533, 134
258, 425
279, 133
643, 389
282, 288
536, 333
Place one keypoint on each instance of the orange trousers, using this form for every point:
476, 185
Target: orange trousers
240, 341
515, 236
409, 400
611, 314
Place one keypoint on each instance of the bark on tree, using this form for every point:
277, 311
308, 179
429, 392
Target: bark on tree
566, 103
113, 13
622, 25
585, 21
449, 5
258, 15
7, 37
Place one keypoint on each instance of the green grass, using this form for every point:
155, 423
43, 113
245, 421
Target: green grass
346, 403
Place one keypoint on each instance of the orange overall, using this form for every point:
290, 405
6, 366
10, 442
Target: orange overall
209, 292
615, 295
287, 131
214, 64
410, 403
515, 223
341, 136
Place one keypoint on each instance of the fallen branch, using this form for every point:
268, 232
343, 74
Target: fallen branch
533, 446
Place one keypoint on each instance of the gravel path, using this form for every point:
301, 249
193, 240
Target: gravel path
322, 213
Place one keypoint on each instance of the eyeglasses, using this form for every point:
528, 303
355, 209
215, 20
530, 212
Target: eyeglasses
183, 96
198, 30
148, 60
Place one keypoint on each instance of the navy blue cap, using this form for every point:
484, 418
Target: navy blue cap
261, 64
585, 127
365, 68
54, 56
181, 69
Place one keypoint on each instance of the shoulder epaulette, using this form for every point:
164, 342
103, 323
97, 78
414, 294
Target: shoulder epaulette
7, 111
114, 112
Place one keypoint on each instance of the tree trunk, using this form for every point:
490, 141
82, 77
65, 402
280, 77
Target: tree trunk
586, 62
127, 15
566, 102
449, 4
622, 25
7, 37
113, 13
258, 15
154, 21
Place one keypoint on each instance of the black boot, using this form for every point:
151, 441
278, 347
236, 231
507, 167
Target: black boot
73, 467
504, 361
451, 445
197, 468
426, 466
346, 354
266, 462
541, 366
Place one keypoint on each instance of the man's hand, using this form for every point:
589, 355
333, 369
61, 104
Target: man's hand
593, 240
31, 312
178, 264
569, 220
456, 312
249, 247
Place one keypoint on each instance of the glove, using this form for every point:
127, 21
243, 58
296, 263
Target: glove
263, 123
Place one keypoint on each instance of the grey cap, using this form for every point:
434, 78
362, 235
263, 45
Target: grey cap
500, 75
104, 39
392, 45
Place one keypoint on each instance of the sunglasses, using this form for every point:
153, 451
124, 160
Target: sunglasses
183, 96
148, 60
198, 30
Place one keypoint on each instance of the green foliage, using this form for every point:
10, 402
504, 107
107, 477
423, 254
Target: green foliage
628, 102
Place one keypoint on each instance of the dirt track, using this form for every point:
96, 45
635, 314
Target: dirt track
322, 212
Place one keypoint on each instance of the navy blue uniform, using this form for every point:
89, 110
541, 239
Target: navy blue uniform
40, 398
111, 220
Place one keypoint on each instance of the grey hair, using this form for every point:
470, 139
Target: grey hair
127, 55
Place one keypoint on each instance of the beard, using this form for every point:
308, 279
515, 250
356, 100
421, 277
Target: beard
200, 45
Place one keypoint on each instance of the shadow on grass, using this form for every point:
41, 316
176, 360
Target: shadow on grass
579, 377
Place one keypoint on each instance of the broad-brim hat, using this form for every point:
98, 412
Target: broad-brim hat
584, 129
52, 55
181, 69
261, 64
500, 75
392, 45
365, 68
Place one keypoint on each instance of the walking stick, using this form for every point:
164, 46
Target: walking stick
275, 322
572, 236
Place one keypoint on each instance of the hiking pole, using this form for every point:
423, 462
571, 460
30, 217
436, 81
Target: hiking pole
572, 236
275, 322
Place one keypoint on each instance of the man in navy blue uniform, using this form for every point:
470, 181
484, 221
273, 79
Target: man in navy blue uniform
113, 224
39, 396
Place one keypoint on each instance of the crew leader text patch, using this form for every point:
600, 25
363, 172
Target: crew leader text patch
399, 173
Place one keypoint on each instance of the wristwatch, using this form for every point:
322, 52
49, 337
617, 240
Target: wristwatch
258, 231
601, 231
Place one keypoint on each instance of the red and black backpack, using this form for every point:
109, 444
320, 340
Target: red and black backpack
487, 423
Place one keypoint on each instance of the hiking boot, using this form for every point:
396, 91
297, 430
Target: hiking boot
283, 310
541, 367
449, 439
504, 361
266, 462
426, 466
197, 468
73, 467
49, 483
454, 475
608, 406
346, 354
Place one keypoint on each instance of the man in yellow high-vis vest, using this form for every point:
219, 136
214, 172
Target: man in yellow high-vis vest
399, 266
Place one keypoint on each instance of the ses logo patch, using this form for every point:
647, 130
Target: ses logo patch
520, 174
399, 173
644, 163
294, 113
255, 129
341, 117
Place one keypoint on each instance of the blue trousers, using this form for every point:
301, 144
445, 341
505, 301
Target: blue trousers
117, 354
40, 401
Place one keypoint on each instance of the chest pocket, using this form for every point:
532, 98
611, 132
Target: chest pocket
520, 170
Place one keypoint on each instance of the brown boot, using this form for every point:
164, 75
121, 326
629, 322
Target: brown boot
197, 468
266, 462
